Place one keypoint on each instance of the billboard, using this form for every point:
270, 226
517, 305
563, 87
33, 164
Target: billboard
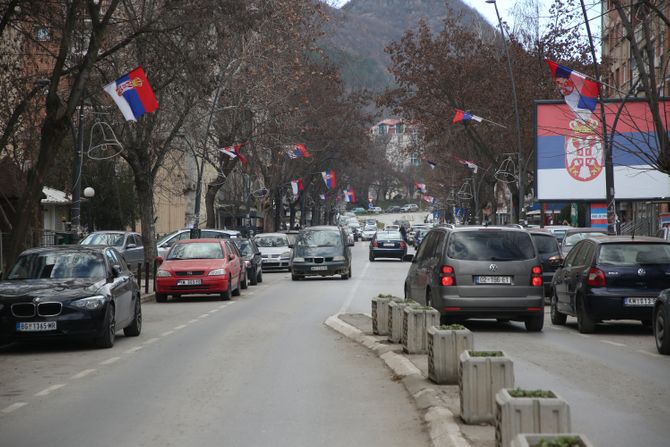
570, 158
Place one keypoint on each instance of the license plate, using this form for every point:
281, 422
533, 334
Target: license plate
388, 245
320, 267
493, 279
36, 326
639, 301
189, 282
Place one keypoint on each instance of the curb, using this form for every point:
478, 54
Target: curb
145, 298
442, 425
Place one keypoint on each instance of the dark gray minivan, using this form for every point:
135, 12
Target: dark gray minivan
479, 272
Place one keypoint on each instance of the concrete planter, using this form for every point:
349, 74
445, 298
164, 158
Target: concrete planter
534, 440
480, 377
396, 320
416, 321
515, 415
444, 350
380, 313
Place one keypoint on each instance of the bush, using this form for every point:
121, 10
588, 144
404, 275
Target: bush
518, 392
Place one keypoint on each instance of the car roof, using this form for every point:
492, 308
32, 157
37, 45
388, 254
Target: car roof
472, 228
201, 240
112, 232
271, 234
629, 240
324, 227
586, 230
69, 247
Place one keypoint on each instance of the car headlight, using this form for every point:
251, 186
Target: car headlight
286, 254
298, 259
247, 263
217, 272
338, 258
90, 303
163, 274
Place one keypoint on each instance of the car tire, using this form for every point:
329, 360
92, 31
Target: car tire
161, 297
345, 275
254, 277
557, 318
236, 290
106, 340
661, 334
260, 275
371, 258
134, 329
295, 277
225, 296
585, 324
534, 324
244, 284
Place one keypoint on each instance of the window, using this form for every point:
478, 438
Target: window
197, 250
487, 245
632, 254
427, 247
546, 245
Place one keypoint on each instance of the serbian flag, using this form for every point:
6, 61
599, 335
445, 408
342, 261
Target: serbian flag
299, 151
427, 198
329, 179
297, 186
579, 92
132, 94
349, 195
469, 164
432, 164
234, 152
322, 196
465, 116
421, 187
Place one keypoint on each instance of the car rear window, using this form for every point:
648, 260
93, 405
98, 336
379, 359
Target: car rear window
196, 250
488, 245
271, 241
546, 244
576, 237
627, 254
389, 236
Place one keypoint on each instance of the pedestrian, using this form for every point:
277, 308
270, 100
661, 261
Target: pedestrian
403, 232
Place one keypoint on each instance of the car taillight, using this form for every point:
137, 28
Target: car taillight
447, 273
596, 278
402, 244
375, 244
536, 276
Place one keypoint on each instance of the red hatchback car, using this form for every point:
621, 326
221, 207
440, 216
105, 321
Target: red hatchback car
200, 267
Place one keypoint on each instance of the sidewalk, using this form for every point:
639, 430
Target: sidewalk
440, 404
147, 296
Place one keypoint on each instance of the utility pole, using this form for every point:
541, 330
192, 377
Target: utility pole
75, 211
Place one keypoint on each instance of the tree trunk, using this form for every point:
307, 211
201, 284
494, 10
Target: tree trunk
210, 197
144, 184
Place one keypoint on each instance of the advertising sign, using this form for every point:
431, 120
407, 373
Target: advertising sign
599, 215
571, 157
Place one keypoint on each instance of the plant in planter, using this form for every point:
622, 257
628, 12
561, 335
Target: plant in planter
445, 345
380, 313
551, 440
529, 411
481, 374
417, 319
396, 319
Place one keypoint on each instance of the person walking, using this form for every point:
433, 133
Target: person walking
403, 233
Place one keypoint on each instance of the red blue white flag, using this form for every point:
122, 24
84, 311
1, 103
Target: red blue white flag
427, 198
297, 186
132, 94
299, 151
579, 92
469, 164
421, 187
465, 116
322, 196
432, 164
234, 152
349, 195
329, 179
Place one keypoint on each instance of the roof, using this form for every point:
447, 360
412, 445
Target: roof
55, 197
627, 239
389, 122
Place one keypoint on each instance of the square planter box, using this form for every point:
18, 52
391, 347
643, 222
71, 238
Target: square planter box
444, 350
417, 319
396, 320
515, 415
533, 439
380, 314
479, 379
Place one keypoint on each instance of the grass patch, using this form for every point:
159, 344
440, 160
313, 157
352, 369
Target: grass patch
486, 353
452, 327
563, 441
518, 392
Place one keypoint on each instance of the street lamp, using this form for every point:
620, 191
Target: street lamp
522, 171
89, 193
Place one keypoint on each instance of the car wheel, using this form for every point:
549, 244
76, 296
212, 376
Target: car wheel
225, 296
295, 277
134, 329
244, 284
345, 275
254, 277
260, 275
236, 290
161, 297
557, 318
646, 323
106, 340
585, 324
534, 324
372, 258
661, 334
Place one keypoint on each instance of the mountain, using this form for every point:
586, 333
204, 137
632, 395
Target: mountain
357, 34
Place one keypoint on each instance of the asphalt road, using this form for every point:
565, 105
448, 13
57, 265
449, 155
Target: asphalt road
259, 370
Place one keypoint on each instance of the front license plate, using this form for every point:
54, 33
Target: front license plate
493, 279
320, 267
189, 282
639, 301
36, 326
389, 245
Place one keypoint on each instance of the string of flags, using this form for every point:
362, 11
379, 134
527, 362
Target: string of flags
132, 94
580, 92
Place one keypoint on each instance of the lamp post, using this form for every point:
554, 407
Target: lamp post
522, 170
89, 193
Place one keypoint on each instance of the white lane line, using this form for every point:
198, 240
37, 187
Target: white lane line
352, 294
555, 328
613, 343
249, 293
151, 340
133, 350
180, 327
52, 388
166, 333
204, 316
213, 311
110, 361
83, 374
192, 321
222, 306
584, 335
652, 354
13, 407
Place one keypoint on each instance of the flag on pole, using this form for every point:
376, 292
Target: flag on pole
234, 152
579, 92
469, 164
297, 186
132, 94
329, 179
465, 116
427, 198
349, 195
421, 187
299, 151
322, 196
432, 164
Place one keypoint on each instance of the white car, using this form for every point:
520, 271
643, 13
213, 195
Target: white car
377, 210
275, 251
369, 233
392, 228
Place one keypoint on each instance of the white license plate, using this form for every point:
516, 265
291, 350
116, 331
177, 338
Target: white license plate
320, 267
639, 301
189, 282
36, 326
493, 280
388, 245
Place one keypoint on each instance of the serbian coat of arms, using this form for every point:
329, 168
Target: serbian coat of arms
584, 158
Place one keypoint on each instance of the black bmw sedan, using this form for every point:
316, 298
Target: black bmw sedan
70, 291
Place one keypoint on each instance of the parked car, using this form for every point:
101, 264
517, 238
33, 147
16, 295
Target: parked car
349, 234
376, 210
550, 257
358, 210
166, 242
409, 208
661, 322
610, 278
479, 272
252, 258
70, 291
558, 231
201, 267
128, 243
321, 251
387, 244
275, 250
574, 235
393, 209
369, 232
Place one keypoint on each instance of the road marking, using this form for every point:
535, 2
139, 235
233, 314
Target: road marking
652, 354
166, 333
213, 311
249, 293
110, 361
351, 295
554, 328
192, 321
151, 340
613, 343
181, 326
13, 407
204, 316
584, 335
83, 373
46, 391
133, 350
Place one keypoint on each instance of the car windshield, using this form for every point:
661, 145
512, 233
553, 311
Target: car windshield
546, 244
633, 254
576, 237
59, 265
271, 241
110, 239
491, 246
245, 247
196, 250
319, 242
560, 234
389, 236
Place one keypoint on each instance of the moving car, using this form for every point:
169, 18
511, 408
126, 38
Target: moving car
558, 231
387, 244
275, 250
369, 232
252, 258
574, 235
201, 267
479, 272
321, 251
409, 208
610, 278
70, 291
128, 243
661, 322
550, 257
393, 209
166, 242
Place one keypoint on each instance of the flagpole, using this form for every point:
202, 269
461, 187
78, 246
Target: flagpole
493, 122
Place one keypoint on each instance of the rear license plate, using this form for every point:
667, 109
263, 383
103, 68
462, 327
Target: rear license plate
320, 267
493, 279
388, 245
189, 282
639, 301
37, 326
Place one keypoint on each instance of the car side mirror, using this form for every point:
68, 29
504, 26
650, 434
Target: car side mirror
231, 256
131, 245
116, 271
159, 260
555, 261
408, 258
